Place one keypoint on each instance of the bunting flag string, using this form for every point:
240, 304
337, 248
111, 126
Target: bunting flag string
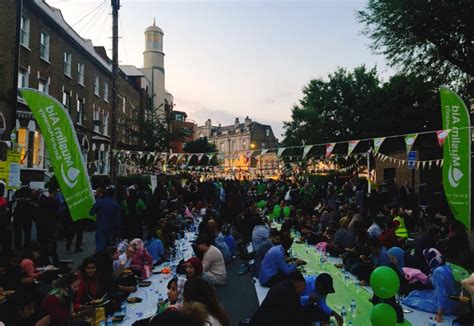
410, 141
418, 164
329, 149
378, 143
306, 150
441, 135
351, 146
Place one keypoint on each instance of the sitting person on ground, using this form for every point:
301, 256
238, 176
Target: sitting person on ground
229, 239
174, 295
141, 259
401, 230
281, 306
105, 271
155, 248
21, 311
187, 317
198, 290
58, 303
313, 299
89, 288
275, 265
260, 233
273, 240
220, 243
29, 263
124, 261
435, 300
193, 267
212, 262
378, 257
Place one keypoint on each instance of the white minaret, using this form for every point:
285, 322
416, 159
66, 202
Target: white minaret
153, 66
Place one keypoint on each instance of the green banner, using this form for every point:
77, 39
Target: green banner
457, 156
64, 151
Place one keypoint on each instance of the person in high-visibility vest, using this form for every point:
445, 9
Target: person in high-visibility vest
401, 230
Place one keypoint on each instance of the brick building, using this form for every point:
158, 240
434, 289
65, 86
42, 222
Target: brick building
183, 128
56, 60
238, 139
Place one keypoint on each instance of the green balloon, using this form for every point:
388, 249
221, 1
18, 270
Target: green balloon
261, 204
276, 211
383, 315
385, 282
287, 211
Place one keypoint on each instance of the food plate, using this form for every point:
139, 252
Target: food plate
47, 269
144, 284
134, 300
98, 302
118, 318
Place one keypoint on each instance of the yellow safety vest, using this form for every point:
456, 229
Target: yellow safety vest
401, 231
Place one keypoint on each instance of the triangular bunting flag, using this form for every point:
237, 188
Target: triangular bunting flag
329, 149
264, 151
280, 151
410, 141
306, 150
200, 157
351, 146
377, 143
441, 135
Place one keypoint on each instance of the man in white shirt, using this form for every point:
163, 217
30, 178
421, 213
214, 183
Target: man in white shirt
212, 261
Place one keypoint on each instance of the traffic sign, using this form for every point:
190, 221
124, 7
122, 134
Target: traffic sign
411, 160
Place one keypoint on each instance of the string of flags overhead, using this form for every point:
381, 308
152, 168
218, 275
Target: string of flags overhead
376, 144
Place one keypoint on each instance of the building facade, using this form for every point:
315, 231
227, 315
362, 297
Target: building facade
238, 140
54, 59
182, 130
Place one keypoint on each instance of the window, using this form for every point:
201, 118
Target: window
67, 63
22, 78
43, 86
124, 104
24, 31
80, 111
106, 91
37, 146
267, 132
80, 73
106, 124
244, 144
44, 46
96, 86
222, 146
66, 100
96, 118
23, 143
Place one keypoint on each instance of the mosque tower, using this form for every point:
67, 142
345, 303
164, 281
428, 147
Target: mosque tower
154, 69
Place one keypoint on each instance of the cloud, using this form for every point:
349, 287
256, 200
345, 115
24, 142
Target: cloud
280, 96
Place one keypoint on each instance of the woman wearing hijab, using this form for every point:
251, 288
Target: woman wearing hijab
435, 300
141, 259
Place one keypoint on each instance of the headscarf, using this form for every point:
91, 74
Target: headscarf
197, 265
433, 258
138, 244
398, 253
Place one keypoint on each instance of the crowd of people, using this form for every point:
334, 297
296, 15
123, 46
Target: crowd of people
136, 230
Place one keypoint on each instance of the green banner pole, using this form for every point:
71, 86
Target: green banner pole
64, 151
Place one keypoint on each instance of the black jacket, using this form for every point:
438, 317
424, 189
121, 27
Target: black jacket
280, 307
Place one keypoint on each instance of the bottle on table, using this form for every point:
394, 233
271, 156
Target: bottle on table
353, 308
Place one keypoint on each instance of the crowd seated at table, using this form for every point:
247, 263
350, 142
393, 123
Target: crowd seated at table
432, 259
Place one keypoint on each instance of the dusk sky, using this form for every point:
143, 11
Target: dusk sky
227, 59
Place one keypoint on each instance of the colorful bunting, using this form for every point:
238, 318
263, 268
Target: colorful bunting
410, 141
280, 151
329, 149
441, 135
351, 146
377, 143
306, 150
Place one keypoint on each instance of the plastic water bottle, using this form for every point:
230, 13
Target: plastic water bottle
432, 322
350, 323
346, 278
353, 308
123, 309
343, 312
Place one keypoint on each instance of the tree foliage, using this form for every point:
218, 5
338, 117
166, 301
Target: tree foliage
200, 145
357, 104
429, 38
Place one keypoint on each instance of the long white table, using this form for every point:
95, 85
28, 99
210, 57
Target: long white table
157, 291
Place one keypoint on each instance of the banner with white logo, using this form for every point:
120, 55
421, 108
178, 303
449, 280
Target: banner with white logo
64, 151
457, 156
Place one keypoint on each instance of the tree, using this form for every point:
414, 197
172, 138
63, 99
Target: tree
335, 109
356, 105
433, 39
200, 145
